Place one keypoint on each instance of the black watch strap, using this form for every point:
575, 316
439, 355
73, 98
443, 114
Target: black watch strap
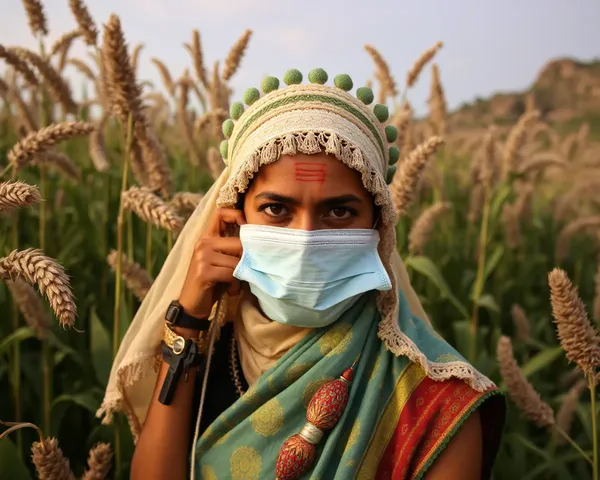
177, 317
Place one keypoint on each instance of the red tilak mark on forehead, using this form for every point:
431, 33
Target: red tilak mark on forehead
310, 172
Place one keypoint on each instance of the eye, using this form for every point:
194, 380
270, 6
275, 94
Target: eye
274, 210
340, 213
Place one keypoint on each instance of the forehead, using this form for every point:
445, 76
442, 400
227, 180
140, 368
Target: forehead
306, 170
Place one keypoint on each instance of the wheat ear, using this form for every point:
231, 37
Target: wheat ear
42, 140
36, 268
49, 461
17, 195
36, 17
85, 21
151, 208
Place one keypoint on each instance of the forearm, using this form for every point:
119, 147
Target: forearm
163, 446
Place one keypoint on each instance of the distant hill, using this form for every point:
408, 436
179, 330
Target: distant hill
566, 91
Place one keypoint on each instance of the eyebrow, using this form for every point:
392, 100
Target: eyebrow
341, 199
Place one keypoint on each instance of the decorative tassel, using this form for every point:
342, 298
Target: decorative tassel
309, 144
333, 145
326, 407
288, 144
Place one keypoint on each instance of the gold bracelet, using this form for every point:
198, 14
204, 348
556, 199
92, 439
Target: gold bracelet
176, 342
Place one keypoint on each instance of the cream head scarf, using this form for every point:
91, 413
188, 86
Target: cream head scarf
308, 119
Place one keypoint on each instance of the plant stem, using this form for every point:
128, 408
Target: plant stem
479, 280
120, 219
169, 241
6, 170
16, 360
149, 248
592, 385
568, 438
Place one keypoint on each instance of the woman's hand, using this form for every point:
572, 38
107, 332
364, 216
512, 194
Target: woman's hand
213, 261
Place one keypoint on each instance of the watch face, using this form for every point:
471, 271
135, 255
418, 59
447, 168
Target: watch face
172, 313
178, 345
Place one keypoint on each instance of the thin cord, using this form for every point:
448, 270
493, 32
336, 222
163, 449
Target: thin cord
211, 343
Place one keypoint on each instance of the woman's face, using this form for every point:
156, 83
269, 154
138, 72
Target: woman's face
309, 192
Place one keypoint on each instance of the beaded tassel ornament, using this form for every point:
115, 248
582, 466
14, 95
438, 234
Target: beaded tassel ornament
326, 407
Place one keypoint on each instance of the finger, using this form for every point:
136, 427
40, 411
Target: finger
222, 260
229, 246
220, 275
223, 217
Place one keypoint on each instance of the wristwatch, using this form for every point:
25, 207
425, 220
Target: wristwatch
176, 317
181, 355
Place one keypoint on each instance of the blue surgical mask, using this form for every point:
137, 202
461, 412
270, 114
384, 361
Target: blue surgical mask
309, 278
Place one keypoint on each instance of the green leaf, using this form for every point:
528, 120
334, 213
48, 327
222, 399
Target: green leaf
487, 301
15, 338
499, 199
89, 400
426, 267
541, 360
100, 348
492, 262
11, 465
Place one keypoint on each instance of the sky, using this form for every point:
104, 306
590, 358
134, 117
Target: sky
489, 46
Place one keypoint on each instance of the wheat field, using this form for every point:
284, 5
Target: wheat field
499, 230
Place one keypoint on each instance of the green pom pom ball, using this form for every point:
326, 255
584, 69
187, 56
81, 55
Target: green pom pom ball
394, 155
365, 95
228, 127
270, 84
251, 95
390, 174
223, 149
236, 110
391, 133
343, 81
292, 77
381, 112
318, 75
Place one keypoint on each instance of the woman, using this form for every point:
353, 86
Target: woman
297, 236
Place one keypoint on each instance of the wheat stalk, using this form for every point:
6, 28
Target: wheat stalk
566, 234
197, 58
59, 161
97, 146
83, 68
578, 338
56, 84
437, 103
424, 59
186, 202
564, 417
64, 42
516, 139
541, 161
164, 75
136, 278
519, 388
421, 231
135, 55
124, 94
36, 17
99, 462
383, 73
34, 267
215, 163
19, 65
521, 323
85, 21
157, 170
49, 461
234, 57
31, 307
405, 181
17, 195
25, 114
42, 140
151, 208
